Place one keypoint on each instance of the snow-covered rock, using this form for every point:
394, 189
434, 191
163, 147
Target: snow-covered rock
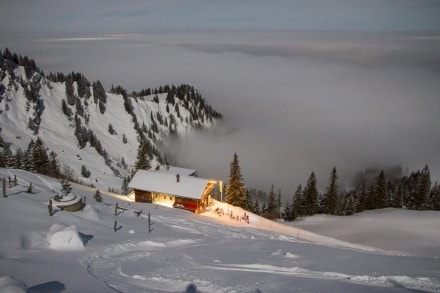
62, 237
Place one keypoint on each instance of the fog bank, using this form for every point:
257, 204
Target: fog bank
293, 103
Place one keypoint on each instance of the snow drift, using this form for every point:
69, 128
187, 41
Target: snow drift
62, 237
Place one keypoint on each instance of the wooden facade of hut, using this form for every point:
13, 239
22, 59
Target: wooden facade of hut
170, 189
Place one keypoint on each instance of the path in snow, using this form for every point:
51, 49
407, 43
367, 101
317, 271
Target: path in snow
218, 258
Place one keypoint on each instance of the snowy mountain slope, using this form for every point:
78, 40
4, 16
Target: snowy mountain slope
184, 252
55, 107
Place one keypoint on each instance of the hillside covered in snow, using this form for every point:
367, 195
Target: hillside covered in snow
183, 252
96, 133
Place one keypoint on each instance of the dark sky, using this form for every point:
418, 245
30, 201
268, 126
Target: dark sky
303, 85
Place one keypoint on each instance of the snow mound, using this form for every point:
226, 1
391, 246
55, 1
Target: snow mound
62, 237
90, 213
12, 285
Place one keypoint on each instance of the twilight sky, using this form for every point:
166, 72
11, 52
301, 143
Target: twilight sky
303, 85
140, 16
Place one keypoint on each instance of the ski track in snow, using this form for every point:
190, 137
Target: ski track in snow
171, 265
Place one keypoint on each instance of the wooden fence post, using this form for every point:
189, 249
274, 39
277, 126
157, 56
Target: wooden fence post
15, 180
4, 187
115, 225
116, 209
30, 187
50, 207
149, 224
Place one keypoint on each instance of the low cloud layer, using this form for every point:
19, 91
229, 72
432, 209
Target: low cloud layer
292, 103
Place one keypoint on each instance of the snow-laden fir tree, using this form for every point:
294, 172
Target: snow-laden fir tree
235, 191
381, 192
434, 198
419, 196
98, 196
397, 196
142, 161
65, 187
330, 198
310, 196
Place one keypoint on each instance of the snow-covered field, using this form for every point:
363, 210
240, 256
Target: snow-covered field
74, 252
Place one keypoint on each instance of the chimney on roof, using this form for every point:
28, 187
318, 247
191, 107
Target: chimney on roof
177, 178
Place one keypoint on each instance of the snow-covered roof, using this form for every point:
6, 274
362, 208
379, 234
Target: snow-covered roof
177, 170
165, 182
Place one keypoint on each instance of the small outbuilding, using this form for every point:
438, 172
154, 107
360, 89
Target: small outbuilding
171, 189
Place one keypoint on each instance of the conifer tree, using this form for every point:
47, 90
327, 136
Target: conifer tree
398, 196
249, 204
434, 199
363, 197
124, 186
349, 205
330, 197
279, 203
422, 190
257, 209
235, 192
40, 157
287, 213
142, 161
311, 196
54, 165
297, 202
98, 196
381, 192
371, 196
271, 206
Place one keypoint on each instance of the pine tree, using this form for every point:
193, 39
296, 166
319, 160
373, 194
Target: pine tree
257, 209
434, 198
422, 190
111, 130
65, 187
54, 165
381, 192
363, 197
349, 206
40, 157
271, 206
397, 196
330, 198
249, 204
371, 197
142, 161
235, 192
297, 202
65, 108
279, 203
84, 172
311, 196
98, 196
124, 186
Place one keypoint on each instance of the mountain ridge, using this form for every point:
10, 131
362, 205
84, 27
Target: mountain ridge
102, 130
